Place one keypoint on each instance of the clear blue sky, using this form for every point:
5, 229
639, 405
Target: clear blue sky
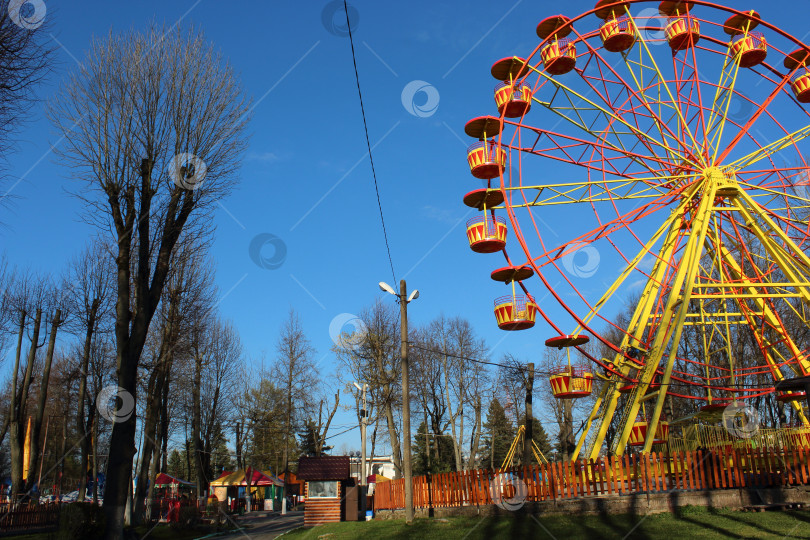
306, 179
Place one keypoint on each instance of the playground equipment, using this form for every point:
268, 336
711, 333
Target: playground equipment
510, 456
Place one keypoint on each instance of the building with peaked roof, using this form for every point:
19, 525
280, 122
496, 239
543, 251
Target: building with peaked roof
327, 479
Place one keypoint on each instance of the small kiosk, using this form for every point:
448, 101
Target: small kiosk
327, 490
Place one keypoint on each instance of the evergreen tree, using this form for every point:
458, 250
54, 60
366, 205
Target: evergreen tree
307, 436
441, 458
177, 465
220, 455
500, 434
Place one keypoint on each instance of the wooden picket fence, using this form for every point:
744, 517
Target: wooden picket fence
650, 473
28, 516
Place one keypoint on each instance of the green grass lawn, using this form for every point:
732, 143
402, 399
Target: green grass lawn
161, 532
693, 523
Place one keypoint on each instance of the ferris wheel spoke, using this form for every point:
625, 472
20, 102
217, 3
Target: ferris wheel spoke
572, 150
598, 191
618, 223
687, 77
610, 116
625, 88
774, 194
769, 150
724, 92
761, 109
689, 138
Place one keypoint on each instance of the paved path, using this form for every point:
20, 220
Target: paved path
266, 525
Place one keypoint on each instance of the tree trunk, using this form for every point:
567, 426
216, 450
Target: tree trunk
17, 430
392, 435
528, 435
95, 457
567, 433
11, 414
153, 472
34, 454
196, 421
451, 414
81, 421
476, 439
158, 380
164, 423
239, 447
143, 485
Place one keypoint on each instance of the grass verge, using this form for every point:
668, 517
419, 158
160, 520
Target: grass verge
690, 522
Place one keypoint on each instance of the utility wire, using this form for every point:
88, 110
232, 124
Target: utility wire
541, 373
368, 142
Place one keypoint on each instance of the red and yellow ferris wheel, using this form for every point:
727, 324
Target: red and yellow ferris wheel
664, 140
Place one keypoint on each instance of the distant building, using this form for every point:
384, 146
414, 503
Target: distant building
383, 465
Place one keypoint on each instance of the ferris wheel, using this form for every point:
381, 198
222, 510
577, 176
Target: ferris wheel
666, 139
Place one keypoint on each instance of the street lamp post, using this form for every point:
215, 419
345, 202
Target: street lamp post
363, 425
404, 299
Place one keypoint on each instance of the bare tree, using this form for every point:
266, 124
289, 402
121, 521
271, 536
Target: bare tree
28, 299
187, 302
373, 356
154, 125
295, 370
315, 427
25, 53
89, 279
216, 353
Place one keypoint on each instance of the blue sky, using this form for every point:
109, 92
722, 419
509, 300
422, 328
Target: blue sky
306, 178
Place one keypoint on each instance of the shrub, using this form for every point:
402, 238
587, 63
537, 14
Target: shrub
78, 521
189, 518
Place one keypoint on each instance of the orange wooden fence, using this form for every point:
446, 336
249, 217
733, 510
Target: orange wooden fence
33, 516
651, 473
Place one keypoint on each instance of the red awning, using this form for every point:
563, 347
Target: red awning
164, 479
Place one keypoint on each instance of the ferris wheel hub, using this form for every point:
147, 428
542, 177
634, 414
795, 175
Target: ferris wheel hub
725, 181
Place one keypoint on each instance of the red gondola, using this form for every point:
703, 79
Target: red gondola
618, 32
682, 30
486, 233
486, 159
638, 434
515, 311
749, 48
513, 98
571, 382
559, 55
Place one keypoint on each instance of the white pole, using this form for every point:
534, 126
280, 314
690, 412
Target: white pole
363, 424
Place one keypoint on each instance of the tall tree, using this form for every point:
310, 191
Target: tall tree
296, 373
372, 356
154, 124
216, 353
29, 299
90, 281
25, 55
500, 434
